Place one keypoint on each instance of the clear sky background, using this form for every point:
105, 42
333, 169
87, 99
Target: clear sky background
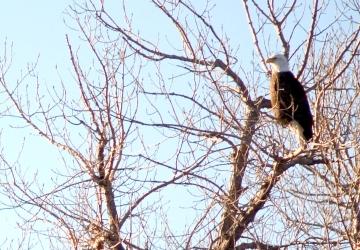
37, 31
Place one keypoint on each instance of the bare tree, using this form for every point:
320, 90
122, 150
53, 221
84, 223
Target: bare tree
152, 119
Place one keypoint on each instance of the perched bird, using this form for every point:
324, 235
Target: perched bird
288, 99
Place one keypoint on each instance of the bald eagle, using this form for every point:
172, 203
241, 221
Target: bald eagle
288, 99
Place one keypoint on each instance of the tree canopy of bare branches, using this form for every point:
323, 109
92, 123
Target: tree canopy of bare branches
167, 140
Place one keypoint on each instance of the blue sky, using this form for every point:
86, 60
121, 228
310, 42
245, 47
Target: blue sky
36, 28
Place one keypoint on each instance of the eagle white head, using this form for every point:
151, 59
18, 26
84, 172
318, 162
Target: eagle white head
279, 63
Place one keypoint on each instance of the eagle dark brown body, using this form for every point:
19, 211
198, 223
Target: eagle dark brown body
289, 102
288, 99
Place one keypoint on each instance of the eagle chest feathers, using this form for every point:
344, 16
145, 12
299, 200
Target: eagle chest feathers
289, 102
282, 101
